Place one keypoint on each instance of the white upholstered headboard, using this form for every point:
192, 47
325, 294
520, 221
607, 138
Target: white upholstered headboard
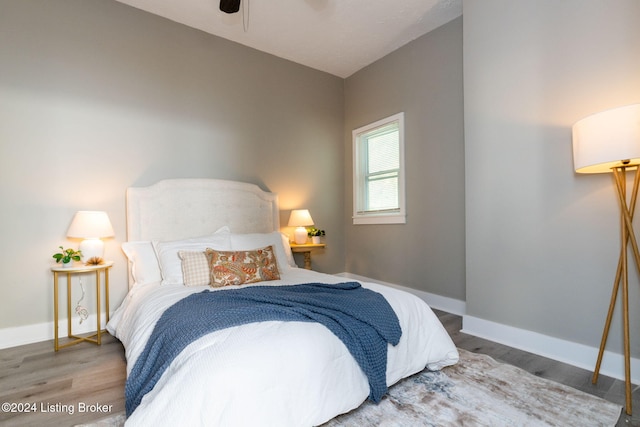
182, 208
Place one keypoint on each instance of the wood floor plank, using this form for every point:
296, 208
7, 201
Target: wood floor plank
90, 374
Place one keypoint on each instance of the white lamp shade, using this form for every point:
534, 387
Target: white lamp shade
91, 226
300, 218
606, 139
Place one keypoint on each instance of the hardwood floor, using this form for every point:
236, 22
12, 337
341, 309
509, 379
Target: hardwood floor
76, 384
62, 389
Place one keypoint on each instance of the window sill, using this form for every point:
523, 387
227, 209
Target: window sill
380, 219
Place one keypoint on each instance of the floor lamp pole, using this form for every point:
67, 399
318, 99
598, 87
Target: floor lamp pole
626, 235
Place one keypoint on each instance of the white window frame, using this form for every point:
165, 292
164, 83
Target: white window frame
360, 215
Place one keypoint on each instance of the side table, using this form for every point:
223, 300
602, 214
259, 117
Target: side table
306, 250
69, 272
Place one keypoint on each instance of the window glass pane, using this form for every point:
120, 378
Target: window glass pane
383, 194
383, 151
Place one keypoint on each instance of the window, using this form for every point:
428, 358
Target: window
378, 172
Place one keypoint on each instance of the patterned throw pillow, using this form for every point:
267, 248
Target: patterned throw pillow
239, 267
195, 268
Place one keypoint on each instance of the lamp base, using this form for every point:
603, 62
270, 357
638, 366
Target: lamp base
300, 236
91, 248
627, 209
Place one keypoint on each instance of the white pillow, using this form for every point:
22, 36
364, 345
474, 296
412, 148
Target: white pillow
170, 263
144, 264
279, 241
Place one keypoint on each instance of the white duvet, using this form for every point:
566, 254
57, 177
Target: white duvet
269, 373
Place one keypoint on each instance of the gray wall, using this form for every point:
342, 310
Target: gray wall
96, 96
423, 79
542, 241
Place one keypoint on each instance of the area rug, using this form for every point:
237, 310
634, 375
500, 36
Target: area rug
477, 391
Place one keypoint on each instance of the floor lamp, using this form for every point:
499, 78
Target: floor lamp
610, 142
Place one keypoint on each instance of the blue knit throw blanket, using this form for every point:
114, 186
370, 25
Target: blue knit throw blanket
361, 318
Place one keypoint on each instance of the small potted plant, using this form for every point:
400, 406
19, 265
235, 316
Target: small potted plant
315, 234
65, 256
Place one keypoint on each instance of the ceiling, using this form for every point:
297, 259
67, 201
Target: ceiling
336, 36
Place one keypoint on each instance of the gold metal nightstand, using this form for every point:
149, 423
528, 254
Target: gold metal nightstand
69, 272
306, 250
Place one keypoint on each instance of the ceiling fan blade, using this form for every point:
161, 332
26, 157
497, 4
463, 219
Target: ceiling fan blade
230, 6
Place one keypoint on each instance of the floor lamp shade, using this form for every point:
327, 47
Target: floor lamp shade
300, 218
607, 139
91, 226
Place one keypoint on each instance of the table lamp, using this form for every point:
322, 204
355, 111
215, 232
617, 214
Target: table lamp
609, 141
300, 218
90, 226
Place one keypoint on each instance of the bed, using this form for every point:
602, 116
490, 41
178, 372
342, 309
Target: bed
263, 373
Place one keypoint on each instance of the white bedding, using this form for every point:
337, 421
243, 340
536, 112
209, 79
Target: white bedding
269, 373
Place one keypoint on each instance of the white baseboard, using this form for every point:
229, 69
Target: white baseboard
450, 305
29, 334
575, 354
